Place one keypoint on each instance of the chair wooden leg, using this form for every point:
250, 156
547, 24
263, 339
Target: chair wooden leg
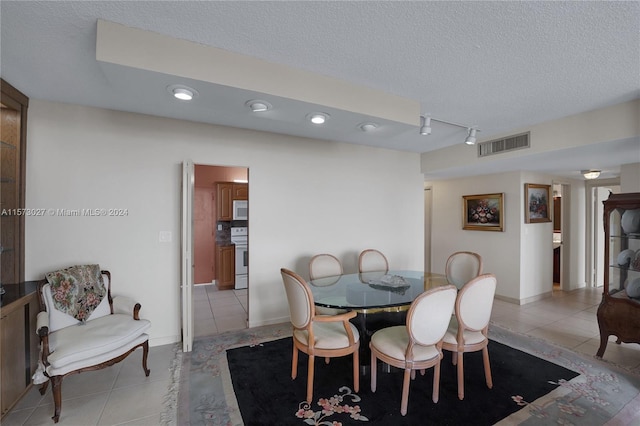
487, 367
356, 371
436, 383
405, 391
56, 389
43, 387
145, 354
460, 376
374, 372
294, 363
310, 378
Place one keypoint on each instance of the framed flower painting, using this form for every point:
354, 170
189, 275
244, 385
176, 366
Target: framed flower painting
483, 212
536, 203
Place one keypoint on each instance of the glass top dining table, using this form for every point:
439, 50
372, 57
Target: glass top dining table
370, 292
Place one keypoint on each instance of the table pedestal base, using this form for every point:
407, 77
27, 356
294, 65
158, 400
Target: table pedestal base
370, 322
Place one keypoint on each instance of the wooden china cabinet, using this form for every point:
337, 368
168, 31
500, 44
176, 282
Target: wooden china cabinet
619, 310
18, 302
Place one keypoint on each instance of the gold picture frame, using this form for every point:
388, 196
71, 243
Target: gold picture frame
536, 203
483, 212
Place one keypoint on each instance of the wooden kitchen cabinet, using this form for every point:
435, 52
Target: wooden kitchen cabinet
225, 201
227, 192
240, 191
226, 267
18, 347
619, 310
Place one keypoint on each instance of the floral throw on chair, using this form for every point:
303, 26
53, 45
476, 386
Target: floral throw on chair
77, 290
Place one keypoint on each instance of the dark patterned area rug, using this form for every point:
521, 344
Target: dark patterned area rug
261, 377
599, 394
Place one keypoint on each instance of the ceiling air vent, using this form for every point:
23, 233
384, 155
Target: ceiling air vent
510, 143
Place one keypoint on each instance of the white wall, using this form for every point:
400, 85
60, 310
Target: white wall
630, 177
500, 251
522, 255
306, 196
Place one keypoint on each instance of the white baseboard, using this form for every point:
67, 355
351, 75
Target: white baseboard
269, 322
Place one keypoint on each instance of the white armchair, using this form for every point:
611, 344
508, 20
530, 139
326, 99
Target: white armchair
68, 345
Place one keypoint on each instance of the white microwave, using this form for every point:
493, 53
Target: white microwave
240, 210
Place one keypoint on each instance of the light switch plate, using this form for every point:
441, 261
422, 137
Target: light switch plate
165, 237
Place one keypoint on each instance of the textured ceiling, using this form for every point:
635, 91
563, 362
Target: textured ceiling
496, 65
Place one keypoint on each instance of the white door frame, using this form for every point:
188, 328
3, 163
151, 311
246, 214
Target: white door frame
428, 198
187, 266
594, 221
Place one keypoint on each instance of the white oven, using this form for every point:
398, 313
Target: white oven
240, 209
239, 237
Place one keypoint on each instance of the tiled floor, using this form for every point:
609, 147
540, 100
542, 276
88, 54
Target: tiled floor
122, 395
217, 311
567, 319
117, 395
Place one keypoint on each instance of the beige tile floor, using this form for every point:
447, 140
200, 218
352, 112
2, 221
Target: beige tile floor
122, 395
217, 311
117, 395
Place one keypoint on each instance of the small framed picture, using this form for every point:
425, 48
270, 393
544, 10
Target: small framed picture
483, 212
536, 203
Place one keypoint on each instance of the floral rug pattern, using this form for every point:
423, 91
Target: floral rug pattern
330, 407
601, 395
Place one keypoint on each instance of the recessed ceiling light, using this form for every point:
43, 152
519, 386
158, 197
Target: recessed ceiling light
318, 117
368, 126
184, 93
258, 106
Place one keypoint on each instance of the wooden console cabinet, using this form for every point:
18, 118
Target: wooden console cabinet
18, 344
619, 314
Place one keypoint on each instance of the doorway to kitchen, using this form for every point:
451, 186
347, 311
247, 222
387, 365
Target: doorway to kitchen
220, 210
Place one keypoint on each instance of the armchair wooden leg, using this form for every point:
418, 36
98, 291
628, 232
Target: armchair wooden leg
374, 371
145, 354
405, 391
436, 383
312, 360
356, 372
56, 389
460, 377
43, 387
294, 363
487, 367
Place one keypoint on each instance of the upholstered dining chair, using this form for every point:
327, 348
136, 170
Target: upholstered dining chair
322, 266
371, 260
326, 336
468, 328
462, 266
418, 345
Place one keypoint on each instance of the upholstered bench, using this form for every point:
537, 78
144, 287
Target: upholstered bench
69, 345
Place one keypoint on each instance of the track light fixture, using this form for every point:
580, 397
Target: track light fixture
471, 138
425, 125
425, 128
